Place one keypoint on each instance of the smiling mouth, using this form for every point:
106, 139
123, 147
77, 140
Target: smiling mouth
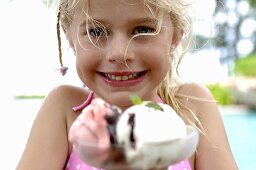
124, 76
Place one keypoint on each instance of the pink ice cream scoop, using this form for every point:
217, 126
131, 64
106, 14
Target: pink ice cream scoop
93, 134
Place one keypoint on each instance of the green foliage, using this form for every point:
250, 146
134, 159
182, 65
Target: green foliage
246, 66
29, 97
222, 94
252, 3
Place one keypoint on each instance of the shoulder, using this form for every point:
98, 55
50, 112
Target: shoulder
68, 94
213, 149
69, 90
195, 90
58, 106
60, 101
198, 98
47, 144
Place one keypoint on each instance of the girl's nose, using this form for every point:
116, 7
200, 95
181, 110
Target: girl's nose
119, 50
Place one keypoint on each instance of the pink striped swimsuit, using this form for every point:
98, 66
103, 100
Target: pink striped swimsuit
74, 163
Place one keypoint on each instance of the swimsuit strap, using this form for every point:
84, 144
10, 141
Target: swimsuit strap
159, 100
86, 102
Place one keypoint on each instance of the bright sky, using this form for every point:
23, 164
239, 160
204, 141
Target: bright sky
29, 54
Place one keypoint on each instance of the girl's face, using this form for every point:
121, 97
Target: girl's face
117, 66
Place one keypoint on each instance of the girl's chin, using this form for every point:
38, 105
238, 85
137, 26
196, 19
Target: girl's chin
122, 101
122, 98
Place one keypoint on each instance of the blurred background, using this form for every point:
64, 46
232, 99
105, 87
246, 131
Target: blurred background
223, 57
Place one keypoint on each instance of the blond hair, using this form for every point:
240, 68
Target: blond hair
168, 89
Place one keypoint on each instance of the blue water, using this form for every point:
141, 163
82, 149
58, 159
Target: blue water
241, 131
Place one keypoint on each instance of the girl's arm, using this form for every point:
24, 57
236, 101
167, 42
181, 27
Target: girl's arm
214, 152
48, 146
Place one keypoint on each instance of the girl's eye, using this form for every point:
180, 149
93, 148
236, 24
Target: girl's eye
98, 32
143, 30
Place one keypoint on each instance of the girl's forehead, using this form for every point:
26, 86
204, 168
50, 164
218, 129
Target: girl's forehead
113, 8
114, 3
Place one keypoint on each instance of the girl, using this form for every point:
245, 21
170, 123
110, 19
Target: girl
125, 47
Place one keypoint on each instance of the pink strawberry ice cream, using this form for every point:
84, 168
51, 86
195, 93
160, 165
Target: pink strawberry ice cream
89, 133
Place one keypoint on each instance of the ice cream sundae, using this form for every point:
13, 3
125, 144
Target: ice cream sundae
145, 136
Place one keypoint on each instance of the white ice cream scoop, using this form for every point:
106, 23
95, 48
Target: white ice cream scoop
154, 136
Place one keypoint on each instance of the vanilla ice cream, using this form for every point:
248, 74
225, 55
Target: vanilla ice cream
146, 131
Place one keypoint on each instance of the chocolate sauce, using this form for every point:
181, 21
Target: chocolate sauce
112, 121
131, 122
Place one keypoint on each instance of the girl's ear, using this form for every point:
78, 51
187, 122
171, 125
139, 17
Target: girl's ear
177, 35
67, 32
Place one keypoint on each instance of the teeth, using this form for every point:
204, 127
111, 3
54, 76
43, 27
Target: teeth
125, 78
122, 78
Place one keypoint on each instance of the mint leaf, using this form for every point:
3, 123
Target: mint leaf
154, 106
136, 100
